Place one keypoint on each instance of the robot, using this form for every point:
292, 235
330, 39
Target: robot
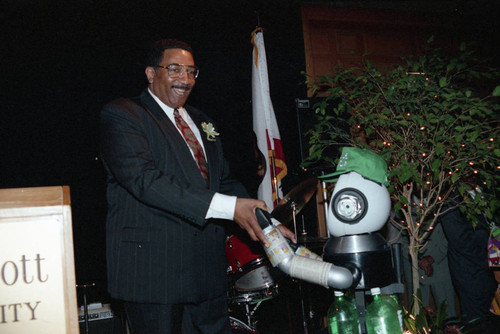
355, 257
359, 207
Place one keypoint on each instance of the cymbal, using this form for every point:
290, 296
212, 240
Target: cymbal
298, 197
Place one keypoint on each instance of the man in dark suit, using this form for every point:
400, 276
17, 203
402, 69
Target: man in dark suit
170, 197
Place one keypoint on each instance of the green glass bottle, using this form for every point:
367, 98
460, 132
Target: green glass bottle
393, 300
342, 317
381, 317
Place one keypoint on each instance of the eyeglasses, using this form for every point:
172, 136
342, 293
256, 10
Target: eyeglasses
177, 70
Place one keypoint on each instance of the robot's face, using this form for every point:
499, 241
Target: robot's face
358, 205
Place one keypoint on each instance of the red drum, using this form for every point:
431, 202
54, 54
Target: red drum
250, 270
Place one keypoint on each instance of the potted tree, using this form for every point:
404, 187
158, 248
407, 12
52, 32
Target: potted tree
432, 119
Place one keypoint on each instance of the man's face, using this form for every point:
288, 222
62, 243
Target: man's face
172, 91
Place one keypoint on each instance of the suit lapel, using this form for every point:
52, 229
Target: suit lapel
147, 101
179, 146
210, 146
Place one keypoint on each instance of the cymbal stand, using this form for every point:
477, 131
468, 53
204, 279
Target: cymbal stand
303, 309
304, 232
85, 305
294, 216
324, 194
301, 292
252, 323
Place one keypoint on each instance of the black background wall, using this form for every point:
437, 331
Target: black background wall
62, 60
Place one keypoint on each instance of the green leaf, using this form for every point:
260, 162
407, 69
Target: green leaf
403, 200
439, 149
496, 91
442, 82
436, 167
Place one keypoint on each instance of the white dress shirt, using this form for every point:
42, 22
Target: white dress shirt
222, 206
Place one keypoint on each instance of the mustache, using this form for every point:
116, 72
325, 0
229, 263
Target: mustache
183, 87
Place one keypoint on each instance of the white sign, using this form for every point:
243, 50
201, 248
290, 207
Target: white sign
37, 282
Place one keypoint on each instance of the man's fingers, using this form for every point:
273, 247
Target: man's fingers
252, 235
262, 205
287, 233
245, 217
260, 235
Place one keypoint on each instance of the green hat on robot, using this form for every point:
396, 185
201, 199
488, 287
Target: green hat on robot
362, 161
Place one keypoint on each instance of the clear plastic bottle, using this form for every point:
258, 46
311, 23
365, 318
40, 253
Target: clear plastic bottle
342, 317
393, 300
381, 317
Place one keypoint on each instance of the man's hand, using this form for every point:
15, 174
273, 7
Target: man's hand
244, 216
287, 233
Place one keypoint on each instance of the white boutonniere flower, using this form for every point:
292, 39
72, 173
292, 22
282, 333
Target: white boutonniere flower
209, 129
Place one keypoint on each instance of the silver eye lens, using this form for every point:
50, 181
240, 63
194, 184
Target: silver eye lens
349, 205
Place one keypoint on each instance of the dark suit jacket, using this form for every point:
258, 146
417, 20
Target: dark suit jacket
160, 248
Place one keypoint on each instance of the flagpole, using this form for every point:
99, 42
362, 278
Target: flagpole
275, 179
265, 125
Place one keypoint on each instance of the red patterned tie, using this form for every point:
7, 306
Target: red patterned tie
193, 143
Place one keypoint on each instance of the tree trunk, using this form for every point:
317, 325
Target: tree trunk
414, 275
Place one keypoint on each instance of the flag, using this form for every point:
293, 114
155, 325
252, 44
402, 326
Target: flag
265, 126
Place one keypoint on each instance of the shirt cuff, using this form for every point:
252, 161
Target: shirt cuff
222, 207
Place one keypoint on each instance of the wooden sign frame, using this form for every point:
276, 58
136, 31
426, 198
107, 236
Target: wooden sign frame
37, 271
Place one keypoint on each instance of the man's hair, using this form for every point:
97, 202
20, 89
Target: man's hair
155, 53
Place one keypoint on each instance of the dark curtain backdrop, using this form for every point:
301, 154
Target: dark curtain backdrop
62, 60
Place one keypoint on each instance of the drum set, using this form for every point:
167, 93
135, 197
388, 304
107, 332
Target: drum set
251, 281
252, 278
